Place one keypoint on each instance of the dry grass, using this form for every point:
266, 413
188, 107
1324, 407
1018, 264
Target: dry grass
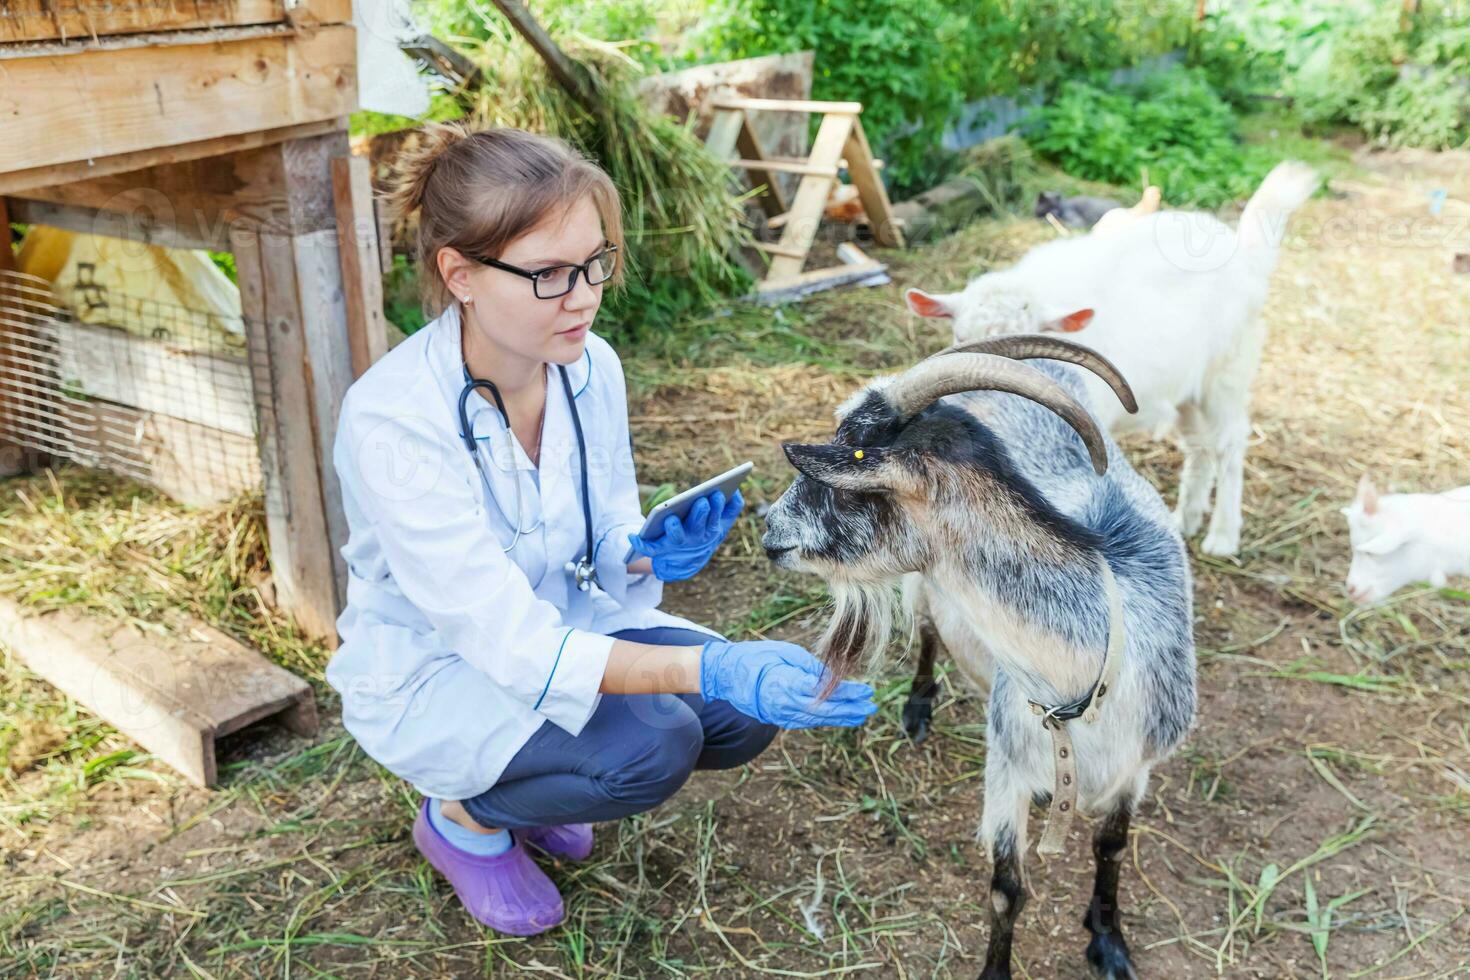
1314, 825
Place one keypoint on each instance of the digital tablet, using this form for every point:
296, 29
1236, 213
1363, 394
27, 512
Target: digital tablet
680, 504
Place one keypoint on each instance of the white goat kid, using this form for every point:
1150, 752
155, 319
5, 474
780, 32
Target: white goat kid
1400, 538
1173, 299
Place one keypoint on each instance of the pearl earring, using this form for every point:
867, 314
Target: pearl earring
469, 299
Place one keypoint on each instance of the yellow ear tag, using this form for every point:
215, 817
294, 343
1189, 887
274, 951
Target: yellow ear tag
858, 454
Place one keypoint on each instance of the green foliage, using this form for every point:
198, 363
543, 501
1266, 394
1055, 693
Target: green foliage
890, 55
1404, 80
1173, 126
401, 303
912, 63
225, 262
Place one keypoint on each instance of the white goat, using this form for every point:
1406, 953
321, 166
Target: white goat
1400, 538
1173, 299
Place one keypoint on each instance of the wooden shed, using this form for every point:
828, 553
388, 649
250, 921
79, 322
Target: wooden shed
216, 124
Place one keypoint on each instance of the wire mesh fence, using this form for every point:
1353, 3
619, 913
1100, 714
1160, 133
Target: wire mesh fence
153, 390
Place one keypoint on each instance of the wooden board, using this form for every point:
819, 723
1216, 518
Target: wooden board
296, 325
173, 695
811, 196
871, 190
50, 178
801, 284
44, 20
98, 103
109, 363
362, 277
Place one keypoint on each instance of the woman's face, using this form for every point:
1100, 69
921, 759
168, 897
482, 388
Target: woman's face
505, 308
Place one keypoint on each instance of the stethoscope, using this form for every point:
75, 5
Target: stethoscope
583, 572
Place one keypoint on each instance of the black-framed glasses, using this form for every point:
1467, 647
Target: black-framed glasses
558, 280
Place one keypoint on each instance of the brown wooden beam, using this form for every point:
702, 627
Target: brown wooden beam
296, 327
362, 279
46, 182
45, 20
87, 104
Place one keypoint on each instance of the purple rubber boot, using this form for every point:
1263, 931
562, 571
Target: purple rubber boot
507, 892
572, 841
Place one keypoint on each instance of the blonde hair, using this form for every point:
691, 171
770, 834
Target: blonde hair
478, 191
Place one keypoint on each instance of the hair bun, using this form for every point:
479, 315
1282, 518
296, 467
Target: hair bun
414, 163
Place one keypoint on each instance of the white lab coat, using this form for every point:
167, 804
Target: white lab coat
453, 651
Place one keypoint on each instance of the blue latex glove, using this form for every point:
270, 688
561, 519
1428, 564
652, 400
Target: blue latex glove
777, 683
686, 547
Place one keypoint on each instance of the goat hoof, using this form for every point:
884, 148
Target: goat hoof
916, 715
1220, 545
991, 973
1108, 956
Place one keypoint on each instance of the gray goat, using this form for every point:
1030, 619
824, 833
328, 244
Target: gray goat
1016, 545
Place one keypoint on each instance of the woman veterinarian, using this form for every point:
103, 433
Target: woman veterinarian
498, 652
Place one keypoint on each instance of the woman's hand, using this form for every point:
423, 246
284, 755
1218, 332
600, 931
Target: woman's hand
687, 546
777, 683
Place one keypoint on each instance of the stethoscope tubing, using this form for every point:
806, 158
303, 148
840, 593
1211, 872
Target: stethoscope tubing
584, 571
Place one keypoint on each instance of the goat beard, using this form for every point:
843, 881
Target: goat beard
862, 618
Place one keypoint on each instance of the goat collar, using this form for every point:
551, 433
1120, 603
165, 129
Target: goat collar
1055, 718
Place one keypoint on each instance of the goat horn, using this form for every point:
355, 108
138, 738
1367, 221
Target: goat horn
931, 379
1027, 346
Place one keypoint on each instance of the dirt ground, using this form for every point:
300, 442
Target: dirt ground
1315, 823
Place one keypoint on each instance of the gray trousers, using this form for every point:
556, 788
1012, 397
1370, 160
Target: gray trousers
635, 752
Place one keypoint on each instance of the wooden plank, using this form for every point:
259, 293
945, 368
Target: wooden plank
774, 249
811, 197
44, 20
151, 375
786, 167
99, 103
174, 695
748, 142
787, 105
862, 171
362, 283
385, 235
194, 464
775, 291
329, 367
41, 180
724, 132
297, 332
194, 203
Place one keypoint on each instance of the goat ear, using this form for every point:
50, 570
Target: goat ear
926, 304
843, 467
1383, 542
1068, 323
1367, 494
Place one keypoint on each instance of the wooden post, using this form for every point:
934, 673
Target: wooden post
296, 327
362, 283
811, 197
870, 188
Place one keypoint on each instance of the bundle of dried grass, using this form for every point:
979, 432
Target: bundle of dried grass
683, 225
